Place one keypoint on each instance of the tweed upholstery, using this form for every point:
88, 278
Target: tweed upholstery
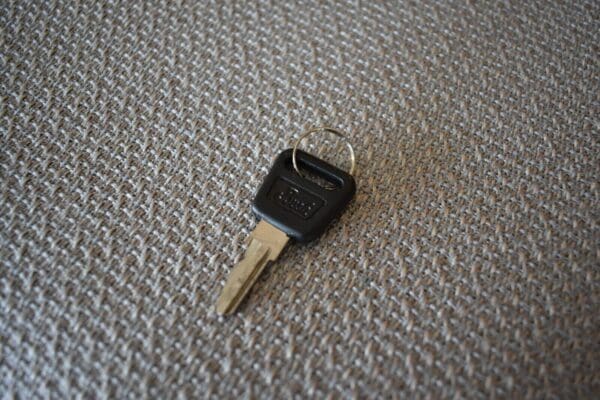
134, 135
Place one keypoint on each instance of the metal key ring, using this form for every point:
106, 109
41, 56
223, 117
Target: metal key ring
329, 130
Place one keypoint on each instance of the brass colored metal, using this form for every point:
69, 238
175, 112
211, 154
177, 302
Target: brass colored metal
266, 243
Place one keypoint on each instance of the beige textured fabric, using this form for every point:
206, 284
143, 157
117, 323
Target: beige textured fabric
133, 137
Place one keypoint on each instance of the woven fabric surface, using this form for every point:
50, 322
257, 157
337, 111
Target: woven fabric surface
135, 134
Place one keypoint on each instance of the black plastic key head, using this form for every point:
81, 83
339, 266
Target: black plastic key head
298, 206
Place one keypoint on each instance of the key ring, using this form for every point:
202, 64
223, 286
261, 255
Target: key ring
329, 130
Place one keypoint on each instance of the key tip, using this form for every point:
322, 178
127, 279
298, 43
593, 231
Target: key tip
223, 307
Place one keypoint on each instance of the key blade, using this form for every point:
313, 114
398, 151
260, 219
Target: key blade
270, 236
266, 243
242, 276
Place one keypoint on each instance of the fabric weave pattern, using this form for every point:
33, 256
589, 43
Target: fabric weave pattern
134, 135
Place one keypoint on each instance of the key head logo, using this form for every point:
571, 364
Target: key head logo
293, 198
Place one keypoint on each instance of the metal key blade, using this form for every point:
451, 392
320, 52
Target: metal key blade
242, 277
266, 243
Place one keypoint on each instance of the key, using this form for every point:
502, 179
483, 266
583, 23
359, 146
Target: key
290, 207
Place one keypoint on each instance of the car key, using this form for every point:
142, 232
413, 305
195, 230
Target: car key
290, 206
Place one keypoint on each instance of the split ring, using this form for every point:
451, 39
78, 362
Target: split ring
328, 130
